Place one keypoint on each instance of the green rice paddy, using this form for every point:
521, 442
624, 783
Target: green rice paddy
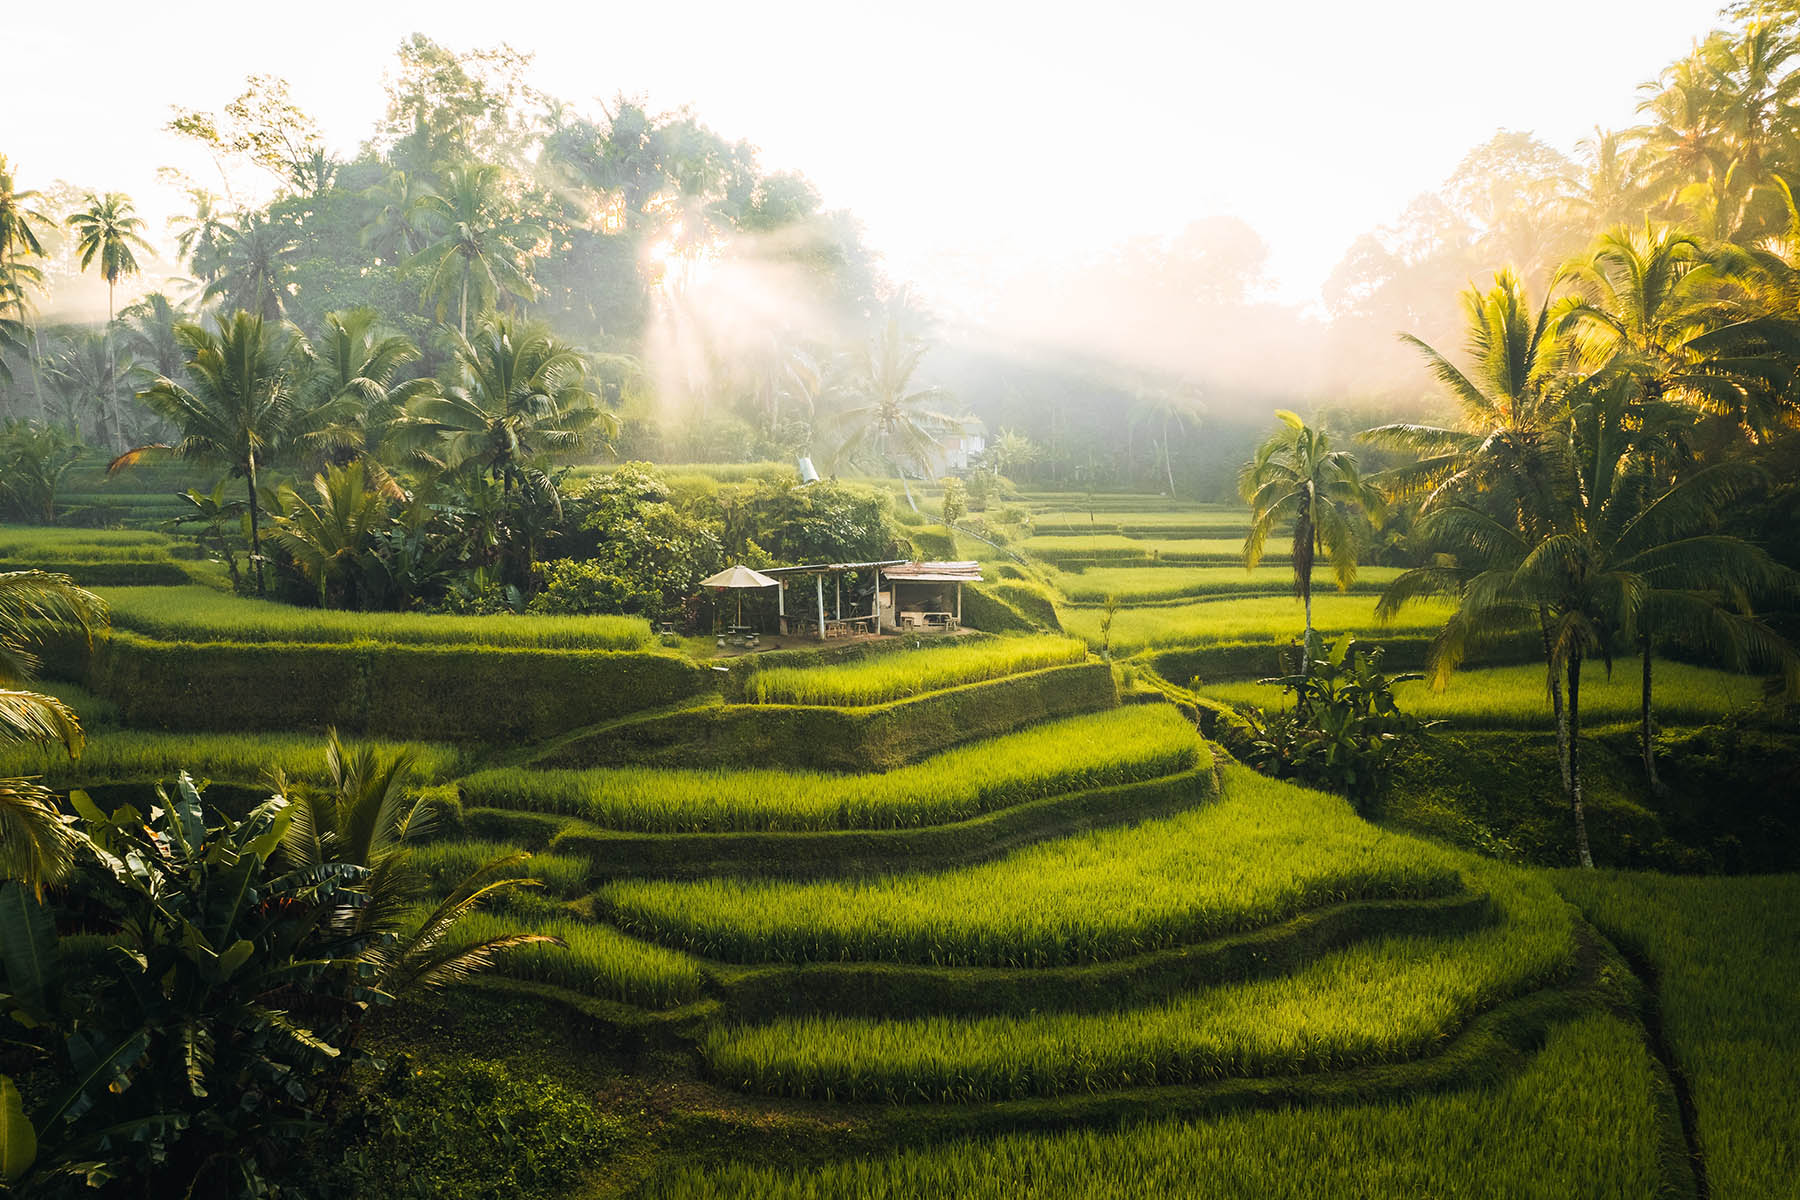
201, 614
1104, 749
1275, 620
888, 677
1263, 852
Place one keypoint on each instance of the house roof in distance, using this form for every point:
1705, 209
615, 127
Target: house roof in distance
935, 572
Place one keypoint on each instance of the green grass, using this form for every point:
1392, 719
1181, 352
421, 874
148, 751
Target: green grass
597, 960
1100, 750
1113, 547
1377, 1001
1262, 853
895, 676
1275, 619
1579, 1120
1129, 584
118, 755
199, 614
46, 543
448, 863
1728, 965
1515, 697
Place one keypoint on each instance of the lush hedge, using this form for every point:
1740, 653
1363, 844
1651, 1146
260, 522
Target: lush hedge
817, 854
111, 573
1032, 599
874, 738
895, 990
984, 609
476, 693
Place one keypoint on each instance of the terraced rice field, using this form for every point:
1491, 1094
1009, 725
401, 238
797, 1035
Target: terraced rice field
1271, 619
1518, 697
201, 614
1259, 854
1373, 1002
1137, 585
1725, 960
1100, 750
895, 676
1533, 1135
1117, 548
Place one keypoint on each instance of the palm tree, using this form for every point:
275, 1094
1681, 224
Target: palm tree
1297, 479
367, 815
1509, 458
393, 231
36, 844
329, 538
150, 334
353, 382
251, 264
19, 222
200, 238
1165, 408
1637, 304
478, 252
107, 229
889, 418
83, 370
525, 396
243, 407
1622, 557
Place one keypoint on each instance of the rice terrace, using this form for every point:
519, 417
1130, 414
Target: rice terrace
572, 628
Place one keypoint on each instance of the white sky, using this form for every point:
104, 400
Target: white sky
975, 140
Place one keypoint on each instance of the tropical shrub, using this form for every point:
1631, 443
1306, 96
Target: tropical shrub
1344, 731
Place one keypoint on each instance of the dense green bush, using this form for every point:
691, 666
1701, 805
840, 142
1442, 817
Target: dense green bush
468, 1131
983, 608
475, 693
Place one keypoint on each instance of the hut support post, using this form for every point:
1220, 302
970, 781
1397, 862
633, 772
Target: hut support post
959, 603
820, 581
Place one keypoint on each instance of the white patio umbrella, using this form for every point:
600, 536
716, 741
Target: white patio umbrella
739, 578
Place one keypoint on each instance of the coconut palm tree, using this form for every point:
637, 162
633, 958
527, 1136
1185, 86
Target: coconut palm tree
108, 230
367, 815
888, 419
525, 396
328, 537
251, 266
1165, 408
199, 238
243, 407
19, 224
1637, 302
477, 251
36, 844
354, 383
83, 369
149, 327
1297, 480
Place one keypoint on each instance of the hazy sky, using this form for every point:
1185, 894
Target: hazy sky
975, 140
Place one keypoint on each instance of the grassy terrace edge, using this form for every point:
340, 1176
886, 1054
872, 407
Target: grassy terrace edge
829, 853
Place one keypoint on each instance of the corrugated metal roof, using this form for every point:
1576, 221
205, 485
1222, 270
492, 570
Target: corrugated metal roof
935, 572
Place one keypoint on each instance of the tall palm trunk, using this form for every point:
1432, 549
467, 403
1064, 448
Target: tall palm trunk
1168, 465
1556, 699
1646, 730
463, 317
1574, 732
112, 375
255, 523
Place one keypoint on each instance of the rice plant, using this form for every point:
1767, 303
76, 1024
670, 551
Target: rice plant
1117, 548
1249, 619
597, 960
198, 614
1262, 853
1518, 698
1534, 1135
448, 863
1377, 1001
1726, 962
1119, 746
895, 676
1140, 584
119, 755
